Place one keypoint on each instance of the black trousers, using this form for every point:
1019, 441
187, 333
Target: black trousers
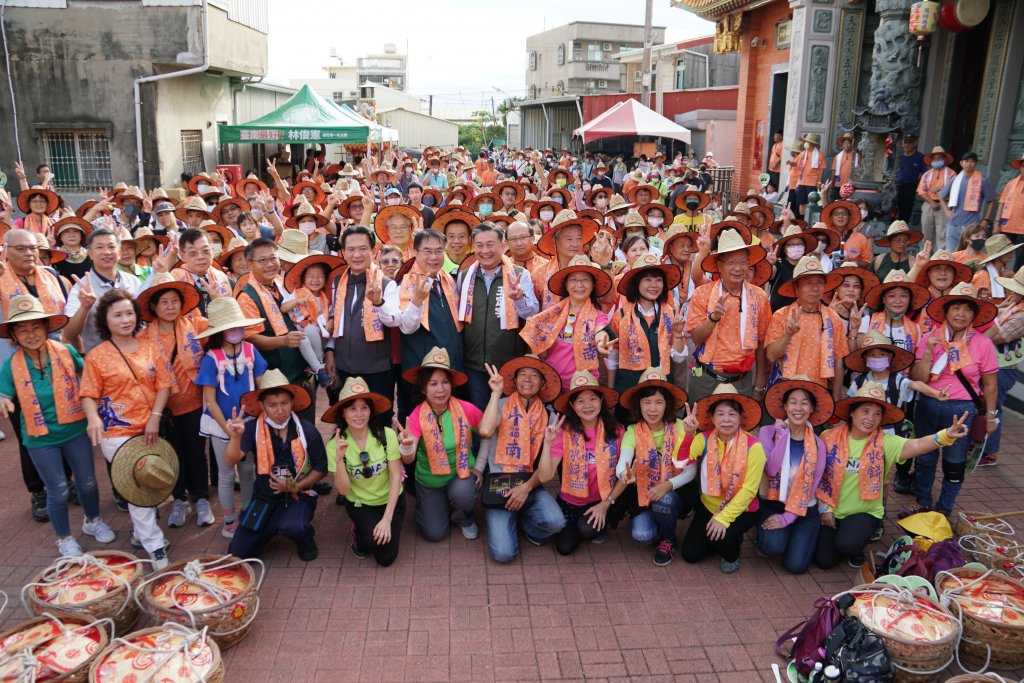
697, 545
193, 465
577, 529
848, 539
906, 195
291, 519
365, 518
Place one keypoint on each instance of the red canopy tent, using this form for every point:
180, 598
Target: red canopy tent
629, 117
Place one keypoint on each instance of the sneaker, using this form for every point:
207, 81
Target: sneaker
204, 515
120, 503
856, 561
322, 488
2, 436
135, 543
903, 483
470, 532
601, 537
877, 535
68, 547
988, 460
664, 555
339, 499
39, 512
357, 552
229, 528
308, 551
179, 511
99, 530
729, 567
73, 493
159, 559
322, 378
535, 542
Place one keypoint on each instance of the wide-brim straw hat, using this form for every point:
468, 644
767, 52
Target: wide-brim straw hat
938, 151
855, 219
294, 246
166, 283
520, 191
192, 203
54, 255
870, 392
457, 215
715, 231
552, 382
226, 235
761, 217
72, 223
592, 194
776, 226
618, 203
656, 206
963, 292
833, 237
646, 263
875, 340
201, 177
558, 172
900, 228
225, 314
655, 192
583, 380
293, 278
133, 192
435, 193
52, 200
380, 221
345, 207
236, 245
24, 308
318, 194
474, 203
144, 475
845, 136
753, 194
305, 210
897, 278
145, 233
355, 388
751, 408
868, 280
241, 185
436, 359
388, 175
678, 232
579, 264
1014, 284
961, 271
654, 377
998, 245
566, 218
812, 138
728, 242
795, 234
774, 399
275, 379
563, 193
809, 266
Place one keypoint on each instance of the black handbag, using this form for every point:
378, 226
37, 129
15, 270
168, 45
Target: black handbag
859, 654
256, 516
498, 486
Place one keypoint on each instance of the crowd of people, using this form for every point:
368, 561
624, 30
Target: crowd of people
484, 328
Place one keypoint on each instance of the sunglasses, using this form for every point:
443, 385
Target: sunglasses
569, 325
364, 459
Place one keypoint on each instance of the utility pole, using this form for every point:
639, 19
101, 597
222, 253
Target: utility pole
645, 92
430, 106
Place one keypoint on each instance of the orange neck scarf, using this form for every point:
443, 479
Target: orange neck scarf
634, 344
1012, 194
509, 317
801, 494
47, 287
747, 324
955, 354
653, 467
837, 456
545, 328
408, 287
65, 389
373, 328
265, 447
40, 223
576, 463
520, 433
881, 322
270, 308
726, 471
433, 439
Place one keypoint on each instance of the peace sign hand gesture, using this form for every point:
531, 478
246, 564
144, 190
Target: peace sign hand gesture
406, 440
856, 315
553, 429
793, 322
690, 422
629, 476
924, 255
235, 426
167, 258
494, 380
959, 429
86, 297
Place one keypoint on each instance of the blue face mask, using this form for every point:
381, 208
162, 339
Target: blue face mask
485, 209
938, 164
130, 210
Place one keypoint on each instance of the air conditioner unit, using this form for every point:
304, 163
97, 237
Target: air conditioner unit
592, 84
607, 47
638, 76
602, 84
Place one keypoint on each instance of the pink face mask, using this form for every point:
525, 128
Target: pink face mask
234, 336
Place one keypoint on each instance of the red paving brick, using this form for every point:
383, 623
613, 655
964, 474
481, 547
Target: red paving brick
445, 612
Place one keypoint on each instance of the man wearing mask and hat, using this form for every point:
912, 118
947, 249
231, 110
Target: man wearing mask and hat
808, 167
908, 174
407, 178
435, 177
938, 175
1010, 213
599, 177
968, 198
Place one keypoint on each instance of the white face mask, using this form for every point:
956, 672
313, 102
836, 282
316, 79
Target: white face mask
203, 188
656, 221
307, 227
216, 249
863, 213
547, 215
276, 425
795, 251
751, 203
393, 201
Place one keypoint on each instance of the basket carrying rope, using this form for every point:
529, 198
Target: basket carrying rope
947, 599
25, 657
54, 577
161, 656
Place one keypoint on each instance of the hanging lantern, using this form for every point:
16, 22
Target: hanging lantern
924, 19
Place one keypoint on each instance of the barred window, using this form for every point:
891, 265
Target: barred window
192, 151
78, 159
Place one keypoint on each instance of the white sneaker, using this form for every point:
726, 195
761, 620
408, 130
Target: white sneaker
99, 530
470, 532
204, 515
179, 511
2, 436
159, 558
68, 547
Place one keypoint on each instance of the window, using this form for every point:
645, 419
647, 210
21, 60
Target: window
192, 151
531, 61
680, 75
594, 53
560, 58
79, 159
338, 96
332, 75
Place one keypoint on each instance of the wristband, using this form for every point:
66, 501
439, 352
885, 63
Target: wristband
943, 438
157, 413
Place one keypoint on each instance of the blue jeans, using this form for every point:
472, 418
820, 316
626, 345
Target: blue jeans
657, 521
931, 416
49, 461
478, 389
540, 517
795, 543
1005, 380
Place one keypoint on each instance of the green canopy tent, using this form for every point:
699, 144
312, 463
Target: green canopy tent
304, 118
378, 132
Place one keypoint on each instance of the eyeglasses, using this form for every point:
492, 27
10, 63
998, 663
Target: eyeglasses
364, 459
391, 261
265, 261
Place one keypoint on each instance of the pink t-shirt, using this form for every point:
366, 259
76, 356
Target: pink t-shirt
562, 359
594, 494
984, 361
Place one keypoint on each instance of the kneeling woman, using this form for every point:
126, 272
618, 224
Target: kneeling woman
731, 464
367, 470
586, 441
649, 449
858, 457
438, 437
513, 427
795, 463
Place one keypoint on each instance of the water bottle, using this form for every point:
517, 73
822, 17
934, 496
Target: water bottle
832, 674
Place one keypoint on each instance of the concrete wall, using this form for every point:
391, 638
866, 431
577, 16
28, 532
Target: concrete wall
417, 130
190, 103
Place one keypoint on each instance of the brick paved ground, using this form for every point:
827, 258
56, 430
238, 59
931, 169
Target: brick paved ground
446, 612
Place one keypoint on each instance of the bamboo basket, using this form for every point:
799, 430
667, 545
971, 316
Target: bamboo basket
993, 552
76, 675
149, 654
974, 523
985, 642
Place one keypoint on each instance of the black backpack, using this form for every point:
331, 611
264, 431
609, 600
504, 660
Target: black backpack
858, 653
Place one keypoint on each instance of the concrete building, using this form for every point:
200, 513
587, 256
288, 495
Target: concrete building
74, 68
417, 130
340, 84
387, 68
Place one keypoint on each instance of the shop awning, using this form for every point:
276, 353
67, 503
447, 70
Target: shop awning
630, 118
305, 118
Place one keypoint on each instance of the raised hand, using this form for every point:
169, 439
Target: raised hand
601, 249
604, 344
272, 169
924, 255
629, 476
374, 291
19, 170
494, 379
422, 291
167, 258
959, 428
690, 422
552, 430
856, 315
793, 322
147, 203
406, 440
933, 341
515, 292
86, 297
235, 426
340, 447
719, 310
6, 407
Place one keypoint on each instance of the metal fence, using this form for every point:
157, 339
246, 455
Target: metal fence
723, 186
78, 159
192, 151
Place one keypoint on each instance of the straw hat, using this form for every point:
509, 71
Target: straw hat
566, 218
964, 291
133, 192
637, 175
44, 245
901, 358
809, 266
380, 221
225, 314
751, 408
293, 278
855, 219
164, 282
72, 223
121, 187
591, 195
145, 233
812, 138
581, 381
579, 264
457, 215
895, 279
556, 173
632, 223
561, 192
762, 273
654, 377
795, 234
144, 475
201, 177
655, 192
520, 190
868, 280
900, 228
775, 398
870, 392
845, 136
500, 218
436, 358
345, 207
305, 210
347, 171
552, 382
318, 194
236, 245
676, 232
294, 246
998, 245
211, 227
52, 200
242, 204
382, 175
938, 151
23, 308
833, 238
647, 208
1015, 283
761, 217
753, 193
795, 148
353, 389
776, 227
714, 232
618, 203
484, 197
646, 263
243, 185
962, 272
728, 242
274, 379
192, 203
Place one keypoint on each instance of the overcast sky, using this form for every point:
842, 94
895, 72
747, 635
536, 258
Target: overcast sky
459, 50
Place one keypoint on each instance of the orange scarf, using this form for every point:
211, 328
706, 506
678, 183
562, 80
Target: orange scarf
837, 455
42, 224
958, 356
541, 275
270, 308
65, 389
433, 439
800, 495
634, 344
509, 319
265, 447
311, 310
373, 328
653, 467
747, 325
408, 287
47, 287
880, 322
725, 472
1011, 196
576, 465
545, 328
519, 442
810, 336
